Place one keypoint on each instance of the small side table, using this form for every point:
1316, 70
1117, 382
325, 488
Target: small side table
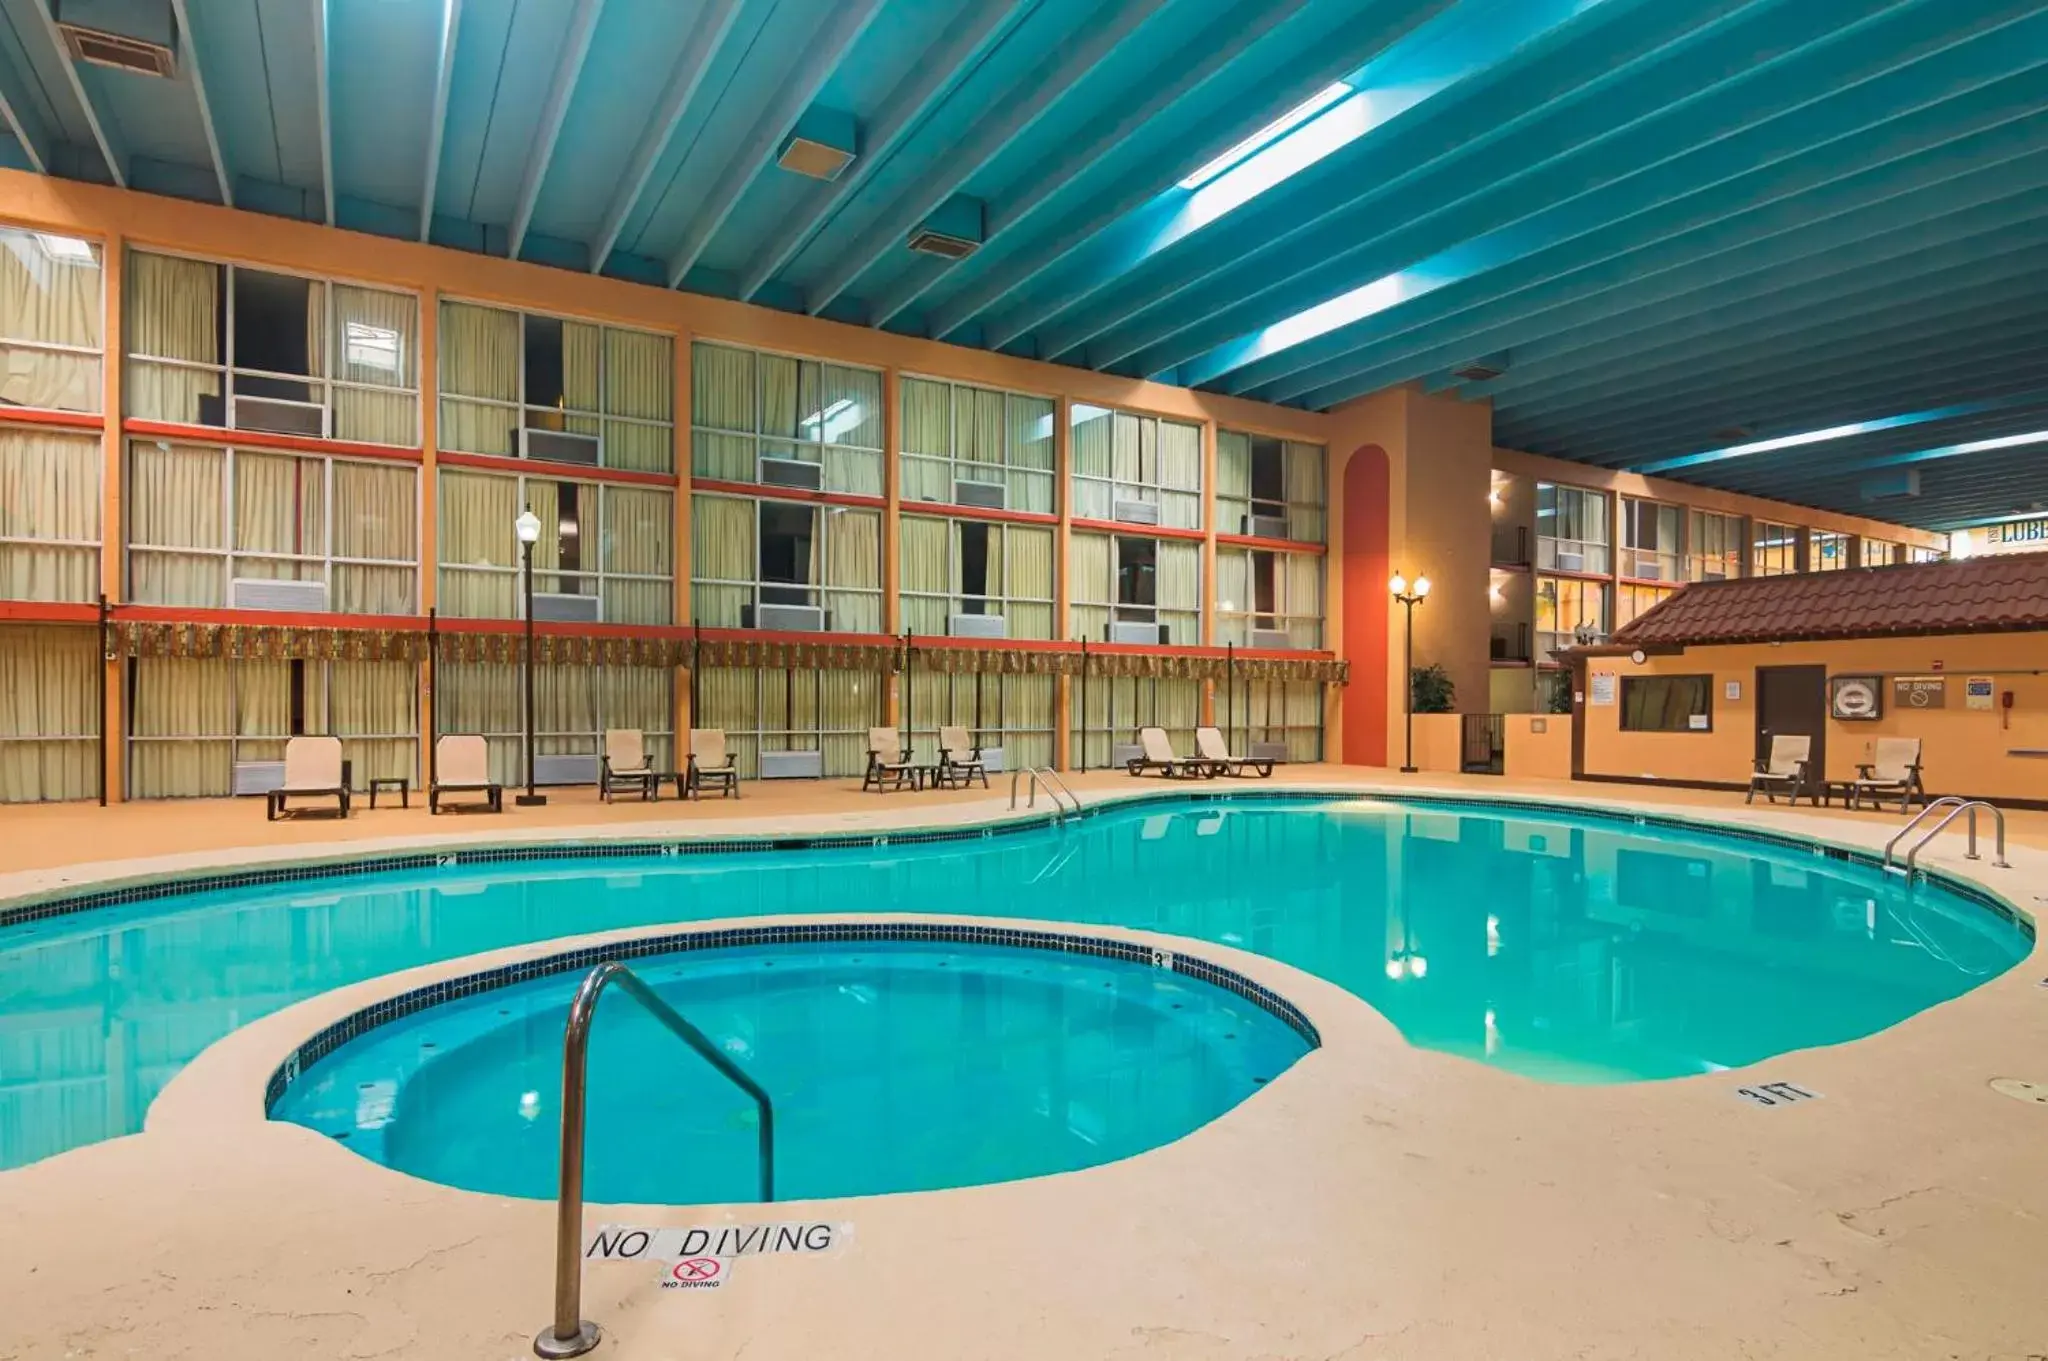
401, 783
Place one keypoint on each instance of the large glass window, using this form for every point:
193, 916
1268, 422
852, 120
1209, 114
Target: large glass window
1879, 553
763, 710
972, 446
1268, 599
1010, 717
49, 515
975, 578
1270, 487
1136, 468
1774, 550
782, 421
1633, 601
1652, 542
259, 529
49, 713
1569, 612
604, 551
519, 384
1281, 719
50, 315
1109, 711
1667, 703
250, 349
1915, 553
1827, 552
1125, 588
572, 707
1571, 529
1714, 547
753, 561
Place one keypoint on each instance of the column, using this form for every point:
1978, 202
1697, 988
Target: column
430, 516
1063, 686
679, 550
113, 537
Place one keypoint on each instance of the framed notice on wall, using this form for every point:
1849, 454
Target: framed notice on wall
1855, 698
1919, 692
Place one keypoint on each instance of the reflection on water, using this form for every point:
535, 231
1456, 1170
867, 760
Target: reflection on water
1571, 949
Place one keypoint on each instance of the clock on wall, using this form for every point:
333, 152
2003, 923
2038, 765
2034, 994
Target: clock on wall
1855, 698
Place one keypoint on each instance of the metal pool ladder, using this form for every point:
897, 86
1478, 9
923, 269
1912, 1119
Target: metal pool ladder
1952, 807
571, 1334
1042, 777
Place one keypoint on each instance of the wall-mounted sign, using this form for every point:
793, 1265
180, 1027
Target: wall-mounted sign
2020, 534
1732, 690
1919, 692
1603, 687
1977, 692
1855, 698
1539, 725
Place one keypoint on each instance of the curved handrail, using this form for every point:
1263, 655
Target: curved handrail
1042, 778
1970, 807
1056, 782
1926, 811
571, 1334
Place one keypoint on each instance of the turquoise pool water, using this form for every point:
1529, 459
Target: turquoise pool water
893, 1067
1572, 948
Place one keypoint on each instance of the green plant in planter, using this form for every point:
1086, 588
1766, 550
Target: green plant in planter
1558, 694
1432, 690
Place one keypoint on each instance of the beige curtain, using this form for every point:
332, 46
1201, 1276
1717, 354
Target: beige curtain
479, 358
172, 312
785, 385
1027, 581
1306, 476
483, 699
565, 710
187, 700
1179, 589
1180, 475
1092, 437
853, 562
927, 468
1302, 582
1030, 453
638, 532
978, 429
49, 489
1090, 585
280, 501
49, 714
922, 568
727, 699
639, 381
722, 397
175, 501
722, 551
376, 515
1233, 585
49, 299
1026, 711
263, 706
369, 325
847, 705
373, 707
475, 514
641, 697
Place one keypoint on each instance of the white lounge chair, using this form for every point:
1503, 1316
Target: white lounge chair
1159, 756
959, 758
1210, 746
888, 767
625, 764
313, 769
462, 765
1786, 771
709, 760
1893, 770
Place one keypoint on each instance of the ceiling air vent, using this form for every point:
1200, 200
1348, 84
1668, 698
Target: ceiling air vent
1733, 434
821, 145
144, 54
1482, 370
953, 232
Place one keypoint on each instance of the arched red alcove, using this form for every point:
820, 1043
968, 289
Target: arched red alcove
1366, 567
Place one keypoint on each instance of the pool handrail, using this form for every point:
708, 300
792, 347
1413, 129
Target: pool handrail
571, 1334
1955, 807
1042, 777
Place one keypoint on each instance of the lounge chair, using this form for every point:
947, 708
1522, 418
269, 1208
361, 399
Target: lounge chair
1210, 746
1786, 771
888, 767
959, 759
462, 765
1158, 755
625, 765
709, 760
1894, 769
313, 769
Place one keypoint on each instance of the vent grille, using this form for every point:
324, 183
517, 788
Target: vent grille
925, 241
1479, 371
555, 607
117, 51
981, 495
792, 472
818, 160
1135, 512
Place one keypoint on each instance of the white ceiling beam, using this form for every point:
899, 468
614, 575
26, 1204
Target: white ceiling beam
568, 68
444, 78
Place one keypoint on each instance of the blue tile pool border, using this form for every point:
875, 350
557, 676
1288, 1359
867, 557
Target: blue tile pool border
362, 1021
61, 904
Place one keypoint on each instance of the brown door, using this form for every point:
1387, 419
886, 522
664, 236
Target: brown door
1792, 701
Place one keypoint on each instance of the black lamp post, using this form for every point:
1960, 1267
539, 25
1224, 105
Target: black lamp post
528, 528
1410, 599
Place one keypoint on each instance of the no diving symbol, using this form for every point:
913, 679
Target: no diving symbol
696, 1273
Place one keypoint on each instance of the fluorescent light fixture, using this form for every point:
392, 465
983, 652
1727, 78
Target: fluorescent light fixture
1266, 136
68, 248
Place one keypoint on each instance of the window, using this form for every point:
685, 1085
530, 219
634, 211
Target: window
1571, 529
1878, 553
606, 543
1136, 468
1010, 715
227, 528
745, 554
49, 515
1829, 552
1137, 582
1915, 553
973, 446
1108, 711
1269, 487
50, 315
1272, 718
956, 568
1667, 703
1633, 601
771, 418
1774, 550
522, 385
1714, 547
252, 349
573, 705
49, 713
782, 710
1261, 592
1651, 540
1569, 612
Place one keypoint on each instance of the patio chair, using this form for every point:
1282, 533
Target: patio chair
888, 766
1158, 755
625, 765
313, 769
1210, 747
1786, 771
959, 758
710, 761
1894, 769
462, 765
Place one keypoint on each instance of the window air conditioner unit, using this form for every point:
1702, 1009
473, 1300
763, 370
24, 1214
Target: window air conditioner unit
791, 472
792, 765
790, 618
256, 777
1571, 562
1135, 512
977, 626
1271, 638
565, 769
552, 608
992, 760
1149, 634
1268, 526
559, 446
1268, 751
280, 417
1713, 574
1650, 569
271, 593
981, 495
1123, 753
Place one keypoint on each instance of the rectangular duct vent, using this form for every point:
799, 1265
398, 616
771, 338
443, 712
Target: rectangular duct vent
952, 232
119, 51
925, 241
817, 160
1483, 370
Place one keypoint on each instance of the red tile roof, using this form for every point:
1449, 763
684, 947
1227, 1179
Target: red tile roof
1976, 595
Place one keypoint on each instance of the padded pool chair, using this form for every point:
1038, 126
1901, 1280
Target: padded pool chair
888, 767
1893, 772
313, 769
1159, 756
959, 759
1210, 747
711, 763
462, 765
626, 765
1787, 771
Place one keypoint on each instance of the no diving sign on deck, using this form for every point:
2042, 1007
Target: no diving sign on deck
713, 1242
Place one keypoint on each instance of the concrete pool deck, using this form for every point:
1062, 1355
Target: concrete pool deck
1377, 1201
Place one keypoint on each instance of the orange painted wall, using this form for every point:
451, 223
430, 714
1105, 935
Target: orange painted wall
1533, 755
1965, 751
1439, 743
